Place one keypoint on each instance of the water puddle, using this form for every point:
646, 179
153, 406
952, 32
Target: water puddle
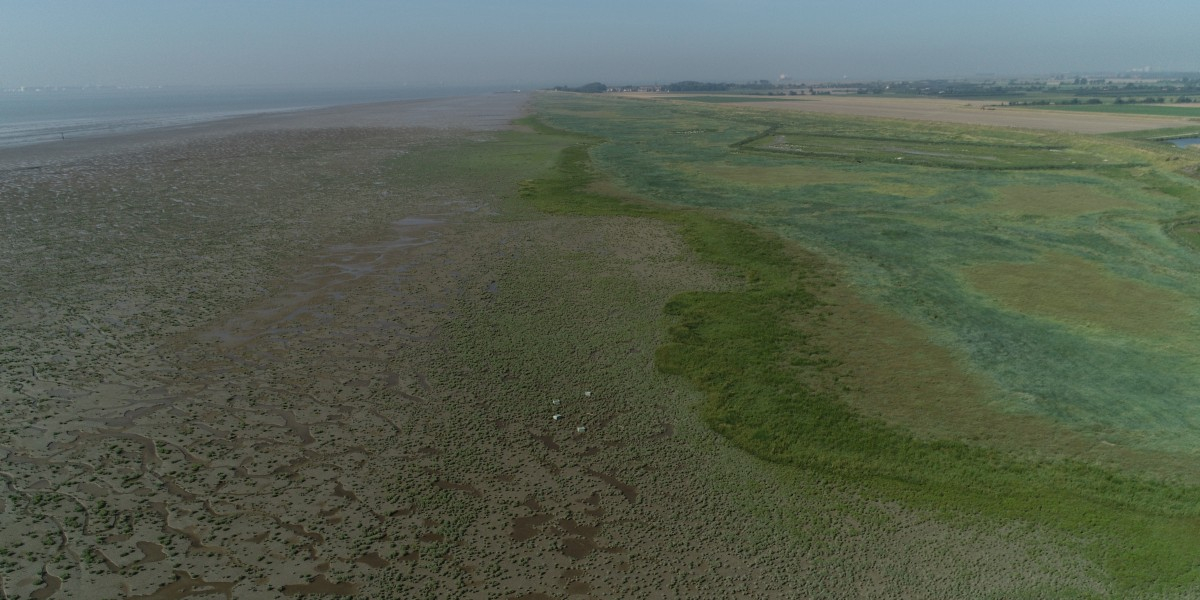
524, 528
627, 490
460, 487
50, 586
577, 548
1186, 142
320, 585
373, 560
151, 552
187, 586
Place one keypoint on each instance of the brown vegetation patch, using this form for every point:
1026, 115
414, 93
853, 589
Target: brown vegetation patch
1078, 292
793, 175
973, 112
782, 175
1054, 201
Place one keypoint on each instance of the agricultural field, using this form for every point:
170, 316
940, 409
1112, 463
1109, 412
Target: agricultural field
1166, 110
925, 150
994, 324
985, 112
731, 99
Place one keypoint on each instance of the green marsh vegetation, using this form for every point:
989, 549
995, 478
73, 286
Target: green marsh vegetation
1063, 293
1158, 135
924, 150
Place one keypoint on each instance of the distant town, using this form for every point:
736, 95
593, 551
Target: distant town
1119, 88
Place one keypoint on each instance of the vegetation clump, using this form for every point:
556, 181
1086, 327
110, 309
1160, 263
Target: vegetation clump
588, 88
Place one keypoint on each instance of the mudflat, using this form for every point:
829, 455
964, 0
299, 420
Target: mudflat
228, 371
232, 370
477, 113
154, 446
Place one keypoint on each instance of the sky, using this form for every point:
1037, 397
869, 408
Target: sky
571, 42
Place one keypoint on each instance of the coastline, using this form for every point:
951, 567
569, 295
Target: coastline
32, 117
461, 112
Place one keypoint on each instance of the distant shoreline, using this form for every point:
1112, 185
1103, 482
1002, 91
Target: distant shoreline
28, 118
489, 112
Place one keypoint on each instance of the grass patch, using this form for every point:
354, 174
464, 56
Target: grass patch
941, 153
1071, 290
1068, 200
1156, 135
782, 174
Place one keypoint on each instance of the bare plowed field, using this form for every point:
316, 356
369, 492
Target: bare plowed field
973, 112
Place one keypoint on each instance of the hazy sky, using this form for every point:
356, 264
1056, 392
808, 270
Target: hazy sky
514, 42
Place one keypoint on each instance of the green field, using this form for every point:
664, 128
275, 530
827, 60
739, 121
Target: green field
996, 325
1168, 110
733, 99
926, 150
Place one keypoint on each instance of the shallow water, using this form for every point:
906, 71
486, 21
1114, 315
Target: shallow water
36, 116
489, 112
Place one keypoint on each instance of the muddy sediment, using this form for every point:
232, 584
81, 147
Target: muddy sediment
226, 374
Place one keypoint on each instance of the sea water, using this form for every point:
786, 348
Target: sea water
1185, 142
32, 116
